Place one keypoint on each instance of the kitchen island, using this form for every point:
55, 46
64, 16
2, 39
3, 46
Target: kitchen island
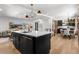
34, 42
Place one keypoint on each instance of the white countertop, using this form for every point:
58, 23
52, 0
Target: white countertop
34, 33
65, 27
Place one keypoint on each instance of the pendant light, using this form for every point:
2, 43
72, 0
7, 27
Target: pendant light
39, 11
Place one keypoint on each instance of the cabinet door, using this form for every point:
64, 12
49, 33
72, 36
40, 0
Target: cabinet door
26, 45
15, 37
16, 40
43, 44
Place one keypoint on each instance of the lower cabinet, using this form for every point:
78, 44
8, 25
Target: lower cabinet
16, 40
23, 43
26, 45
32, 45
42, 44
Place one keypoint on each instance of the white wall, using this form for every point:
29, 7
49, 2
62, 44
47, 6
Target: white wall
4, 22
43, 24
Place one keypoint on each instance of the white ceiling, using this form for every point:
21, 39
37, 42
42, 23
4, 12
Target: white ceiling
53, 10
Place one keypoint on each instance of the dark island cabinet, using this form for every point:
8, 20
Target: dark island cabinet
16, 40
42, 44
23, 43
27, 44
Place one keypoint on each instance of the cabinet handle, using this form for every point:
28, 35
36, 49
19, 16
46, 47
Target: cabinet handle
27, 37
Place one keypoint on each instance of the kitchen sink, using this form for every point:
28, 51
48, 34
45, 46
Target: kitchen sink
25, 32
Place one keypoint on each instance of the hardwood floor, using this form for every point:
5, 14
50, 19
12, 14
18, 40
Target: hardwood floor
7, 47
60, 45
